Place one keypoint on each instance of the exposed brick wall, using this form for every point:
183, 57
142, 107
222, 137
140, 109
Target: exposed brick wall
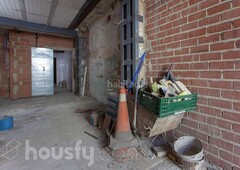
20, 58
202, 39
4, 72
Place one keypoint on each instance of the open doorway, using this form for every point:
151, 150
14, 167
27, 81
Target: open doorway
63, 69
55, 71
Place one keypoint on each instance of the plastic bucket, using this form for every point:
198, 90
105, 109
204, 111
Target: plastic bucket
6, 123
188, 151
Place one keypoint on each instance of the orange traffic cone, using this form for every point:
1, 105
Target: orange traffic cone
122, 139
122, 124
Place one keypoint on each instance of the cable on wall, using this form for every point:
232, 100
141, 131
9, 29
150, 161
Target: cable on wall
36, 37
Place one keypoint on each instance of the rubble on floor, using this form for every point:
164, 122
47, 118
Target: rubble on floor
56, 125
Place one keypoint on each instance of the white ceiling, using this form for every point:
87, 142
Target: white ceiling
58, 13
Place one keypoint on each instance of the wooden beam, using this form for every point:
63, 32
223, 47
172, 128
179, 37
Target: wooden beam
87, 7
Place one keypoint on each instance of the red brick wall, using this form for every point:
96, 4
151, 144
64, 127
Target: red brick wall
202, 39
20, 59
4, 72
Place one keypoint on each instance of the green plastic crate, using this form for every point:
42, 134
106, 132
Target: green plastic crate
163, 107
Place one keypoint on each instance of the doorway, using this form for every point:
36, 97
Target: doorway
63, 69
55, 71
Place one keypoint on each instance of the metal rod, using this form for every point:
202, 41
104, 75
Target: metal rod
95, 137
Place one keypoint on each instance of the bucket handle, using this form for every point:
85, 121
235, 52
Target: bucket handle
182, 166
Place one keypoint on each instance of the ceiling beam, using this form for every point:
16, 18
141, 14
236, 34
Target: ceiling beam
23, 10
87, 7
37, 28
52, 11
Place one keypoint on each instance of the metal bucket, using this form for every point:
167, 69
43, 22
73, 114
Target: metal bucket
188, 151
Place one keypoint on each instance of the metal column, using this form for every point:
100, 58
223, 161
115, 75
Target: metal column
130, 39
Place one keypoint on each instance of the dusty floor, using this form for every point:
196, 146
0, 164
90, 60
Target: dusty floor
43, 124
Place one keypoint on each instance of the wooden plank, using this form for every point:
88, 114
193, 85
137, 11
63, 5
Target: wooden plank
106, 123
84, 81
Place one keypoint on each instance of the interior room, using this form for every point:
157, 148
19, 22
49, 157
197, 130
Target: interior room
120, 84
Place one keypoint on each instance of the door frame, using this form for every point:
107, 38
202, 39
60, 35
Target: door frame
73, 50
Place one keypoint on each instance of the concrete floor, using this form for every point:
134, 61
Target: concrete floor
50, 122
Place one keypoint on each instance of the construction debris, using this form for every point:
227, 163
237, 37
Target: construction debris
90, 110
106, 124
168, 86
89, 134
97, 118
161, 150
168, 97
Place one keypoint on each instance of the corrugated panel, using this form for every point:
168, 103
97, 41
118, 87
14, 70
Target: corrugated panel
7, 9
63, 19
16, 9
71, 4
38, 10
3, 9
10, 9
42, 71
